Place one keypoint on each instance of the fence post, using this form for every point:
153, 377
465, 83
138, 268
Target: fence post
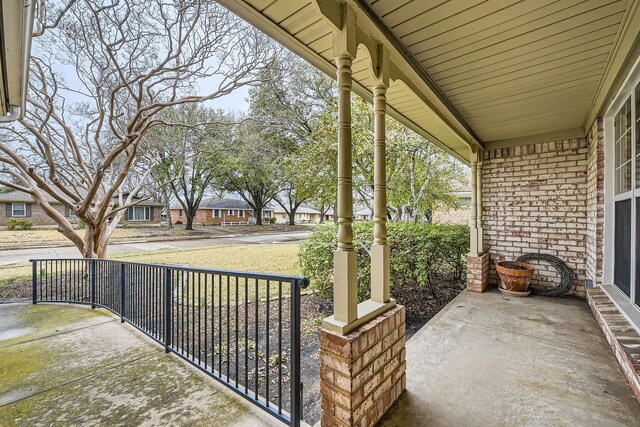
296, 376
168, 316
93, 283
122, 288
34, 281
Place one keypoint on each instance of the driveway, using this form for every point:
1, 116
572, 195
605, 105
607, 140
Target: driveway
24, 255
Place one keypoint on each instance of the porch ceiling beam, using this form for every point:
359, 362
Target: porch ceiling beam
262, 22
430, 93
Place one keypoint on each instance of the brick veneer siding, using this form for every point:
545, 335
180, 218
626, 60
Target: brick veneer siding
363, 373
38, 217
621, 336
205, 217
478, 273
535, 200
595, 203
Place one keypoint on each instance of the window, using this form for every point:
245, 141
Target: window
230, 212
240, 214
139, 213
266, 214
180, 213
623, 124
71, 213
216, 213
18, 209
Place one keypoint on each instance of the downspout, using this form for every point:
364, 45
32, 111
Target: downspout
17, 112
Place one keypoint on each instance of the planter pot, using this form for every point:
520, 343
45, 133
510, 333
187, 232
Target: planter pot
514, 277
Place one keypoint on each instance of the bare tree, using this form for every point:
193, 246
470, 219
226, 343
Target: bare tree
130, 59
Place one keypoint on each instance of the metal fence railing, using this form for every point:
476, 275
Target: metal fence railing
243, 329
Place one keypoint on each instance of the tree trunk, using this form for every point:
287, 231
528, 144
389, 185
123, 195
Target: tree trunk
259, 217
167, 208
189, 223
292, 218
96, 240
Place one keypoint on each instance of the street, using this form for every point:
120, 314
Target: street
23, 255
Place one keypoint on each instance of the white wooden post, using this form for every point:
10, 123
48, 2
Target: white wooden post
380, 289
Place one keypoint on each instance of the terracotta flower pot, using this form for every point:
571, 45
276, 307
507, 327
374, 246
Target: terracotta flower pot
514, 277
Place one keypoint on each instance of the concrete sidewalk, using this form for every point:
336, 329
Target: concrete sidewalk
24, 255
490, 360
69, 365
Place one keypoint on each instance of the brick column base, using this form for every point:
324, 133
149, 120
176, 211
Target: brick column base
478, 272
362, 374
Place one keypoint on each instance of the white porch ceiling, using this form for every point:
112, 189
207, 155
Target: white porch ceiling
472, 71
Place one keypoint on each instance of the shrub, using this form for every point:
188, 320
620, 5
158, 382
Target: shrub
178, 222
270, 220
20, 224
418, 253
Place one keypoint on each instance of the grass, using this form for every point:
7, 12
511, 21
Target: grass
44, 237
271, 258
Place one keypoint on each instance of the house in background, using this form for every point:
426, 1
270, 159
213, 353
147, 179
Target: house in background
304, 215
18, 204
216, 211
364, 214
461, 215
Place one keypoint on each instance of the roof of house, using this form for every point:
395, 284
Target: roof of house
17, 196
364, 211
224, 203
301, 209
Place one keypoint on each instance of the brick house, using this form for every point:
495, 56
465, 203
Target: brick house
304, 215
17, 204
218, 211
542, 100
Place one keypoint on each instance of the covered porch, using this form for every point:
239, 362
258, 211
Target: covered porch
541, 100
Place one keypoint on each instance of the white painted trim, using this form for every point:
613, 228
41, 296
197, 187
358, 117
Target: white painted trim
13, 214
609, 202
624, 305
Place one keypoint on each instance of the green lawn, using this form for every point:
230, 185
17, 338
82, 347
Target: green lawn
271, 258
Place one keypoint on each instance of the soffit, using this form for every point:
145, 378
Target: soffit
512, 69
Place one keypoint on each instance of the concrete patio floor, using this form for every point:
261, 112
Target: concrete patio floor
69, 365
490, 360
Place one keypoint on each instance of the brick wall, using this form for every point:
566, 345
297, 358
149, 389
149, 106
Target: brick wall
362, 374
535, 200
205, 216
595, 203
38, 217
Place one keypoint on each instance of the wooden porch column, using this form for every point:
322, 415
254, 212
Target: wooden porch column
473, 226
480, 232
345, 287
380, 248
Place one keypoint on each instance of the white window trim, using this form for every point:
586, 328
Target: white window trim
216, 213
147, 214
625, 304
241, 213
229, 212
13, 210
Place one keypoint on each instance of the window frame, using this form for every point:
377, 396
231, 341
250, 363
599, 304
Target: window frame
13, 210
146, 215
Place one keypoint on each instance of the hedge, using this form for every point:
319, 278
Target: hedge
19, 224
419, 252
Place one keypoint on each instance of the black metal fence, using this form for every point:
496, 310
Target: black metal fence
243, 329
